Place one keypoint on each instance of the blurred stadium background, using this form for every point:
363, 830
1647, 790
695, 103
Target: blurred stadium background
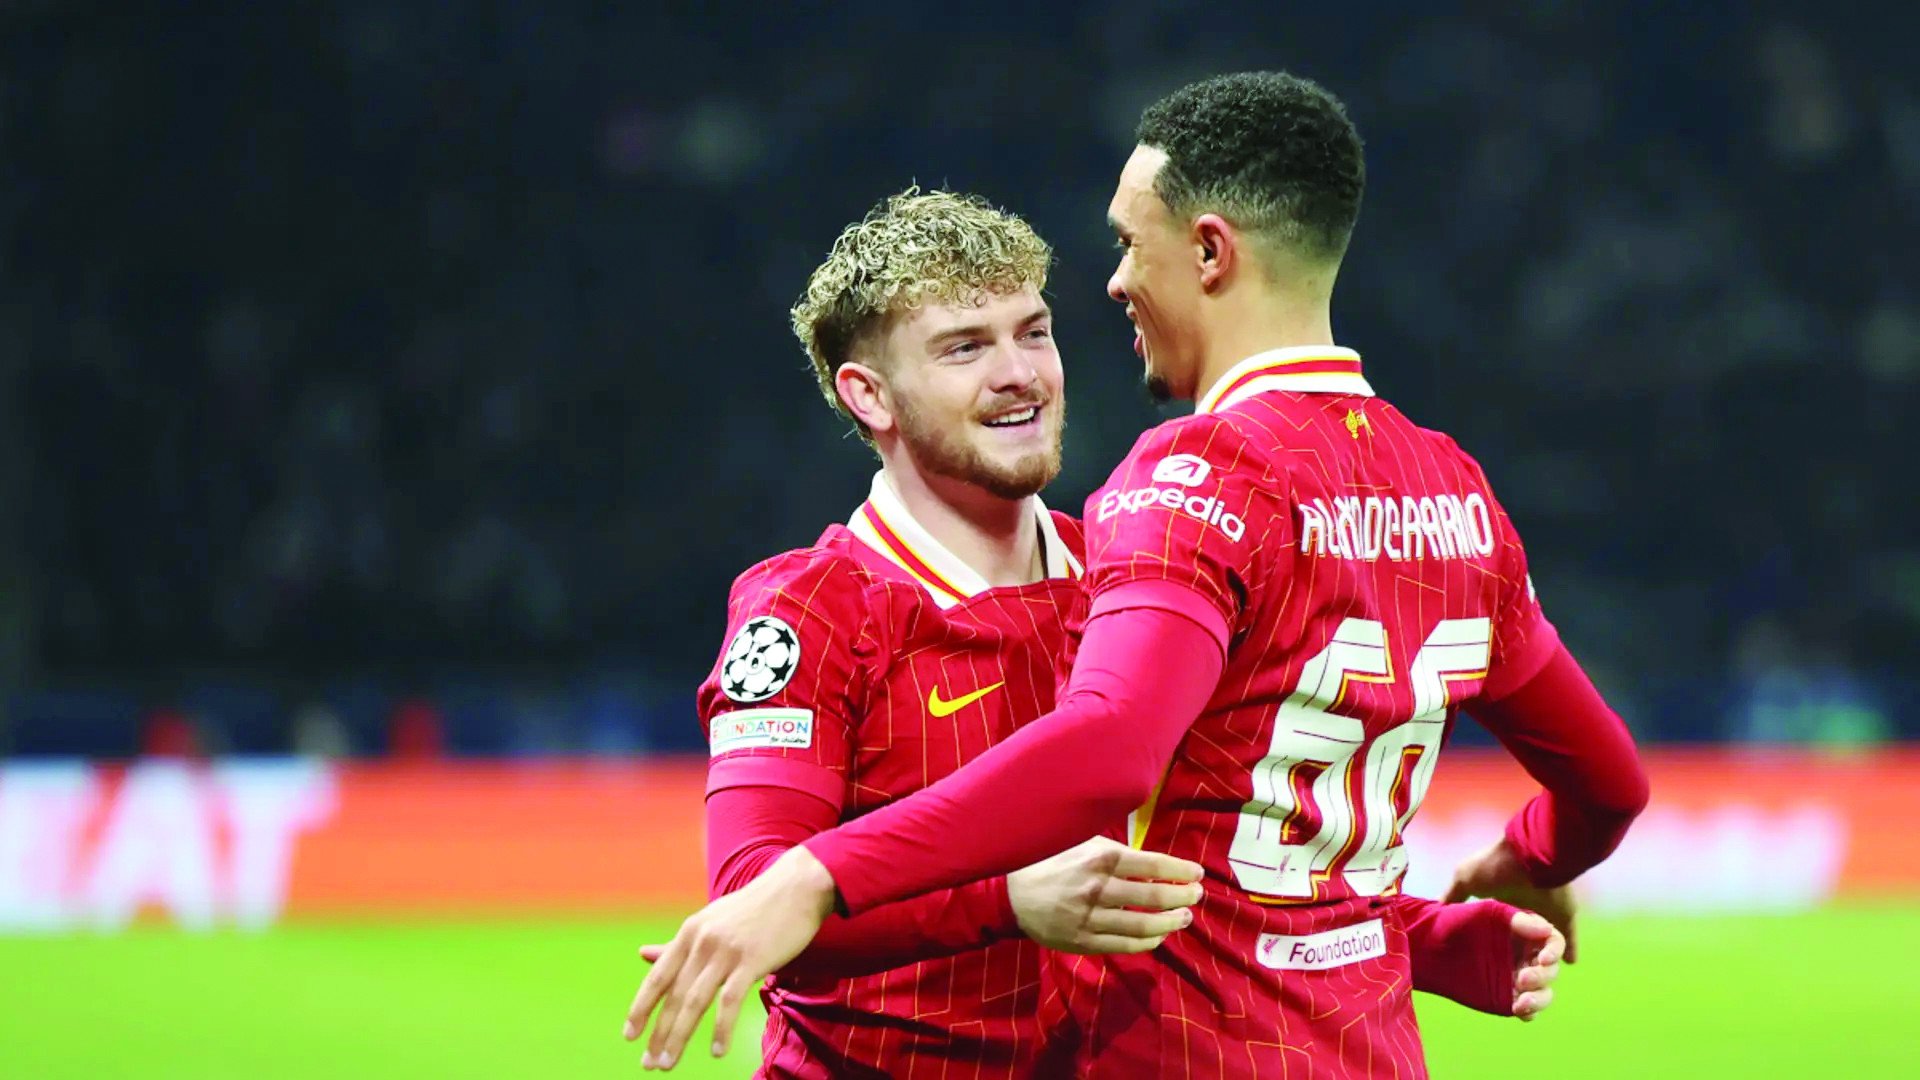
390, 391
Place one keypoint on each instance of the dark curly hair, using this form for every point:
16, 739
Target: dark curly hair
1272, 153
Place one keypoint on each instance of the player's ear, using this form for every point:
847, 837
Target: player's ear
864, 392
1215, 249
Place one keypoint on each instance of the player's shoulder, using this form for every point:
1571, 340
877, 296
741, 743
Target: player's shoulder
1220, 439
825, 572
1441, 441
1447, 448
815, 602
798, 631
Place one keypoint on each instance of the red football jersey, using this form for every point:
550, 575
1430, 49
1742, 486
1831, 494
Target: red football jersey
861, 670
1370, 585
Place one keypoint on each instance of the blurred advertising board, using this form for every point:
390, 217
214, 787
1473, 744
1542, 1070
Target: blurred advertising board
250, 842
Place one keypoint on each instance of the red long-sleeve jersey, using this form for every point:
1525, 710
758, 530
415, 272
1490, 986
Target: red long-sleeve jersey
1347, 581
858, 671
864, 669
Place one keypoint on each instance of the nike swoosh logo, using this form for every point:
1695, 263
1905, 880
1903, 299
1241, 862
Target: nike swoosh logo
948, 708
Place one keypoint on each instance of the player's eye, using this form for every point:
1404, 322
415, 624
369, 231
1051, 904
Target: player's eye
1040, 333
963, 349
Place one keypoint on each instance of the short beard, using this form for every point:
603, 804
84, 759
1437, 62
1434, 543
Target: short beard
1158, 388
957, 459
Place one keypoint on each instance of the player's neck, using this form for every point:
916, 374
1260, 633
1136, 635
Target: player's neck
1260, 323
997, 537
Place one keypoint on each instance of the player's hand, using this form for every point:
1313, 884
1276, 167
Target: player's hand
728, 948
1537, 946
1496, 873
1104, 897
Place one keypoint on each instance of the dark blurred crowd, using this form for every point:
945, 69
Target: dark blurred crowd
369, 365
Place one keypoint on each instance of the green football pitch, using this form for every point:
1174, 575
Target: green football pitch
1831, 994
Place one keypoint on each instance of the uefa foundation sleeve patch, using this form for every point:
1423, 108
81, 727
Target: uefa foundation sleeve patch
762, 729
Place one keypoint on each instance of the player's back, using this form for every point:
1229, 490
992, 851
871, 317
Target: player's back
1368, 579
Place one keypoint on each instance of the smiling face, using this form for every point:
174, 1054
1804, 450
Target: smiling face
977, 393
1157, 279
926, 327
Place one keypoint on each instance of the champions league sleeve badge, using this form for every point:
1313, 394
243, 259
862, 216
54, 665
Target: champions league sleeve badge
760, 660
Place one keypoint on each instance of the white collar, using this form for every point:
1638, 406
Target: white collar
1308, 369
884, 524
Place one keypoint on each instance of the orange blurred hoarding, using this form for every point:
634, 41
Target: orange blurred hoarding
248, 842
567, 836
251, 842
1729, 828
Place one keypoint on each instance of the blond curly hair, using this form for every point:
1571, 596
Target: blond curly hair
914, 248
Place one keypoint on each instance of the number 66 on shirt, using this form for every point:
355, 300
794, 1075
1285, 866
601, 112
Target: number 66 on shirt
1306, 814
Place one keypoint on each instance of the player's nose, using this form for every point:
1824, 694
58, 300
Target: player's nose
1014, 372
1116, 290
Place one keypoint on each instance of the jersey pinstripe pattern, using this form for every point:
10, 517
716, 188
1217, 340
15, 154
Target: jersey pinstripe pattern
890, 629
1342, 633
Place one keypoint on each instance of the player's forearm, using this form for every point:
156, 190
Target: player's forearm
1557, 839
1066, 776
1580, 751
1031, 797
1461, 952
749, 828
940, 924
